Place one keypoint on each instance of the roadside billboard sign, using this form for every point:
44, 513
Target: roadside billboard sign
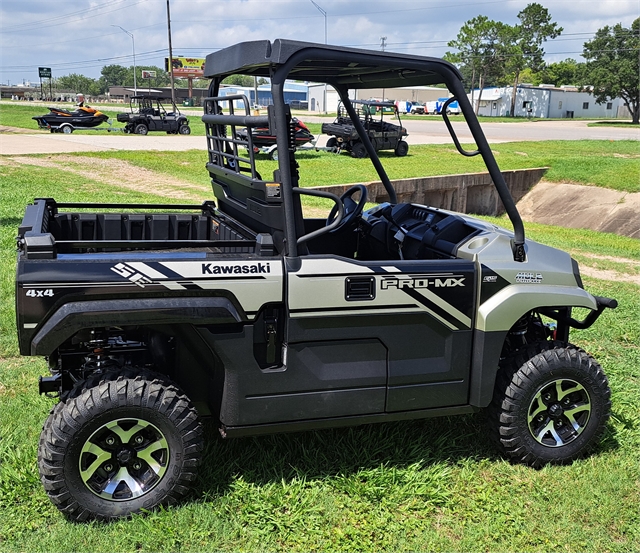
186, 67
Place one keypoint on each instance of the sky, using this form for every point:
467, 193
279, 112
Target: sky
82, 36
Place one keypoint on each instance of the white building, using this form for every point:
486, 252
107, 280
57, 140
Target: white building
546, 101
420, 94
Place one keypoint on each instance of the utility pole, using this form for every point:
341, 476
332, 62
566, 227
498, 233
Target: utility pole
173, 88
383, 43
324, 13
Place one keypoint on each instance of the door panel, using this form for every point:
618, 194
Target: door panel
420, 311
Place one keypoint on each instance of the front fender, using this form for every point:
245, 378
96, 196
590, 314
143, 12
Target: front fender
502, 310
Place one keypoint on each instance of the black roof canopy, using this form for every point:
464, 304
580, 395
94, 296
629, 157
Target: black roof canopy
338, 66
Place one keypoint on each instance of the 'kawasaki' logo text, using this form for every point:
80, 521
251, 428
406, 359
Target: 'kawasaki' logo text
211, 269
420, 282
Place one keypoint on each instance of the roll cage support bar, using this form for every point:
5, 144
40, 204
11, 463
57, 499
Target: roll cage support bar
281, 73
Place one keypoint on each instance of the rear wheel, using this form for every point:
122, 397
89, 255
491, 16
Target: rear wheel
141, 128
122, 443
332, 143
358, 150
551, 404
66, 129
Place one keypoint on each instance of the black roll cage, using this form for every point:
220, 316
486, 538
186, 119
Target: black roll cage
345, 68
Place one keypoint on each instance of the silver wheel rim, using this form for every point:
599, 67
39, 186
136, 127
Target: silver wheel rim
559, 412
124, 459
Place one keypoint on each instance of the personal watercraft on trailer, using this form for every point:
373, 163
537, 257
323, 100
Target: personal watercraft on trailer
63, 120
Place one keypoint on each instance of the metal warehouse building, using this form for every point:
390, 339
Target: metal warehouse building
546, 101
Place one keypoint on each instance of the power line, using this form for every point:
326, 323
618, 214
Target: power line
42, 24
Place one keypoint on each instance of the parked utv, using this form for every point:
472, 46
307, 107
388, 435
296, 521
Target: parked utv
382, 134
149, 114
244, 310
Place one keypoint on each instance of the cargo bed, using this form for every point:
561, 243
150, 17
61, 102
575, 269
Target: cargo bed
46, 230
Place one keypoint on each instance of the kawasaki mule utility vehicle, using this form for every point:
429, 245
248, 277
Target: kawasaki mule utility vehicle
245, 310
147, 114
383, 135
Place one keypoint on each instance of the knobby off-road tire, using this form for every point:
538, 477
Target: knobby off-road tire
121, 442
551, 404
402, 148
359, 150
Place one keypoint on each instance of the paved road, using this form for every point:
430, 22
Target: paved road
432, 130
427, 131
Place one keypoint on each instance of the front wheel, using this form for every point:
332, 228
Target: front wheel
551, 404
184, 129
402, 148
123, 443
141, 128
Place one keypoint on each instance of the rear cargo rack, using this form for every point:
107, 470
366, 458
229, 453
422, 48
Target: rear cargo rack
45, 231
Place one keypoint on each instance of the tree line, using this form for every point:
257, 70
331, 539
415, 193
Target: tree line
487, 53
493, 53
117, 75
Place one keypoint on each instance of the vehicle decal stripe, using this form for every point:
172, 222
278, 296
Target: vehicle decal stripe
146, 270
435, 304
351, 309
79, 285
171, 285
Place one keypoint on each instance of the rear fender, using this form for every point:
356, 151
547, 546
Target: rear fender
76, 316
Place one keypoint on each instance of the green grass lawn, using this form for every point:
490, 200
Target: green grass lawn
434, 485
613, 123
603, 163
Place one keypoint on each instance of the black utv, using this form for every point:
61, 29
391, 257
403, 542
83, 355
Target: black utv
383, 135
149, 114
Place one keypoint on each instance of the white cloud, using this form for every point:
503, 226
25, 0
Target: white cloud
76, 37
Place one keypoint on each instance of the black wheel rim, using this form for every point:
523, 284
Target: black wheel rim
124, 459
559, 412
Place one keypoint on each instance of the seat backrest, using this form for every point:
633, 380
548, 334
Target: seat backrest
239, 189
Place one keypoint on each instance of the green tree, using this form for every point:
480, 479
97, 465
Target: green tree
78, 83
565, 72
613, 64
239, 80
161, 79
524, 43
481, 50
112, 75
468, 42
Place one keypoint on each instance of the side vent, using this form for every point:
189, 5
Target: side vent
360, 288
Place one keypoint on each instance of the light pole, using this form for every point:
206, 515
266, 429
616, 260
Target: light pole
324, 13
133, 46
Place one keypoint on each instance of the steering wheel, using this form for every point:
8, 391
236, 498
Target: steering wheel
352, 209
